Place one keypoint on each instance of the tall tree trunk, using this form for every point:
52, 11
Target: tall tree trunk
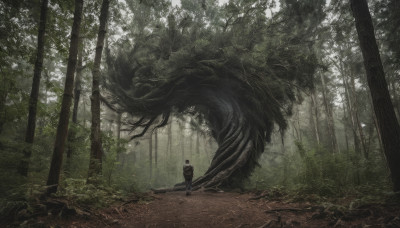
396, 100
378, 132
314, 116
345, 126
182, 142
351, 112
357, 118
197, 142
155, 147
383, 107
191, 145
169, 144
329, 116
298, 123
84, 112
77, 93
62, 128
95, 165
119, 117
3, 99
370, 134
78, 82
151, 155
30, 130
283, 151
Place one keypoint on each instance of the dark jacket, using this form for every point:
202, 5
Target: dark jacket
188, 171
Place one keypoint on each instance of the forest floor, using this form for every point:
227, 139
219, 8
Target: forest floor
224, 209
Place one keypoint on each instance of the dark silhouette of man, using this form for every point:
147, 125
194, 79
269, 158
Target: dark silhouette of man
188, 174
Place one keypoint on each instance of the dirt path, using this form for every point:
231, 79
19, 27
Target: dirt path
206, 209
198, 210
203, 209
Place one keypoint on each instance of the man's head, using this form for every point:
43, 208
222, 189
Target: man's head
187, 161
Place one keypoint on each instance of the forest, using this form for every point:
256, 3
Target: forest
288, 110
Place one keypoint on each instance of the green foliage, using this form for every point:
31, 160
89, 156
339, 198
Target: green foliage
330, 174
9, 208
320, 173
12, 184
79, 192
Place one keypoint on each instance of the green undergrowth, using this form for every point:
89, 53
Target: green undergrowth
74, 197
77, 191
352, 199
316, 173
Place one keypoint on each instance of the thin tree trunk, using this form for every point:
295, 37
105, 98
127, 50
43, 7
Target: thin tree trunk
95, 165
155, 147
84, 112
77, 93
345, 126
151, 155
357, 119
197, 142
370, 133
169, 144
110, 126
182, 142
329, 116
315, 119
30, 130
119, 117
298, 131
191, 144
351, 112
62, 128
285, 166
78, 82
383, 107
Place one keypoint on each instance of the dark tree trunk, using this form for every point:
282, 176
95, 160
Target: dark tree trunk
30, 130
3, 96
396, 100
151, 155
314, 115
169, 144
62, 128
78, 82
155, 147
84, 112
296, 125
182, 142
329, 116
345, 126
77, 93
357, 119
351, 113
191, 145
119, 117
383, 107
197, 142
95, 165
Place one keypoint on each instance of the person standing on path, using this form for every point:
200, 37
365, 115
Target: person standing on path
188, 174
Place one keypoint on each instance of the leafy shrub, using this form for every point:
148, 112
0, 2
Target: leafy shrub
77, 191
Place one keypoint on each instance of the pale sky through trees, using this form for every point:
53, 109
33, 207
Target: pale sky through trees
178, 2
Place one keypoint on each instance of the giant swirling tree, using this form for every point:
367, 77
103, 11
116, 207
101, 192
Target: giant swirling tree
230, 65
